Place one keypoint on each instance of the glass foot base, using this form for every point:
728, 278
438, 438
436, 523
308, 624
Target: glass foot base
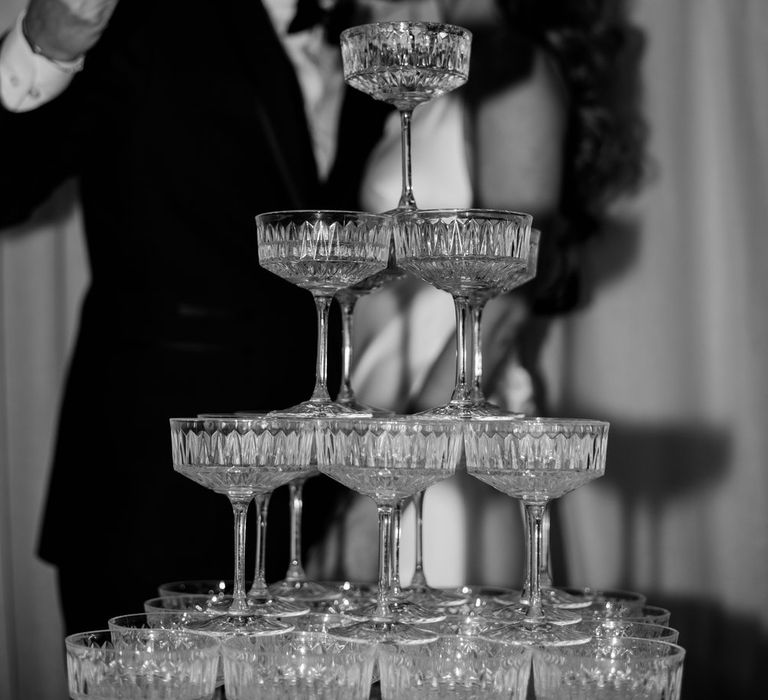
469, 626
399, 611
348, 596
555, 597
320, 409
303, 591
433, 597
383, 631
354, 405
451, 411
227, 624
480, 599
263, 606
540, 632
468, 410
550, 614
273, 607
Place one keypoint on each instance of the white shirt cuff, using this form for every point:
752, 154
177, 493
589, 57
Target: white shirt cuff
29, 80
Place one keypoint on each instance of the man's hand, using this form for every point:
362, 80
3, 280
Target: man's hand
63, 30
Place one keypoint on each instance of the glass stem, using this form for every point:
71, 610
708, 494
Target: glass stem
545, 563
295, 573
347, 303
533, 548
259, 588
477, 353
419, 581
385, 560
461, 393
395, 589
323, 305
407, 200
240, 511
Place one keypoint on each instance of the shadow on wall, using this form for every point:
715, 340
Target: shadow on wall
725, 652
651, 466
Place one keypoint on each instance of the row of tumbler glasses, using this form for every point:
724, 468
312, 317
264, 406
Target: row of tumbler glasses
173, 664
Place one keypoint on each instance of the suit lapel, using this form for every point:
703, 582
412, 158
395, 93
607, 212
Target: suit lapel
277, 99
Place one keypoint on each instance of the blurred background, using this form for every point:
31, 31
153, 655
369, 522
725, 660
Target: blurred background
671, 350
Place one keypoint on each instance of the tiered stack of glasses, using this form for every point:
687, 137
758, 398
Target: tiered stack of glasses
307, 639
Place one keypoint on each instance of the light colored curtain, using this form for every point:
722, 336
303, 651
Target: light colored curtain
673, 348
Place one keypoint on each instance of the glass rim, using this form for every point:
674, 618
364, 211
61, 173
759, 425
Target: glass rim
236, 642
319, 214
454, 29
338, 422
265, 421
465, 212
138, 615
209, 642
506, 422
673, 651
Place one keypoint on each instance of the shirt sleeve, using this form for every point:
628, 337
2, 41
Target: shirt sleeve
27, 79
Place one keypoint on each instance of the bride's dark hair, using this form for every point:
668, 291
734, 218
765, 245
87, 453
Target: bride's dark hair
597, 52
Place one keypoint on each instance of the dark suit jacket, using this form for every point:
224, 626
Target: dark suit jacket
186, 122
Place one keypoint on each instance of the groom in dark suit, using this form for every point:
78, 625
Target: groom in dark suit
186, 120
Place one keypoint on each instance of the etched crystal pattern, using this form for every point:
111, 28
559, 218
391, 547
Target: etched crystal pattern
297, 665
326, 253
173, 665
470, 668
388, 460
405, 63
536, 459
639, 669
464, 252
230, 456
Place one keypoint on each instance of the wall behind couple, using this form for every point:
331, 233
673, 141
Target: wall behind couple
671, 350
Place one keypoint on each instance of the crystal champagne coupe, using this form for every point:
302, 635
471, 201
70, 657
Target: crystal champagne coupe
537, 460
388, 459
469, 253
322, 251
406, 64
243, 459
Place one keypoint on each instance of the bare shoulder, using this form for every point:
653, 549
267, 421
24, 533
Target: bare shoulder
520, 132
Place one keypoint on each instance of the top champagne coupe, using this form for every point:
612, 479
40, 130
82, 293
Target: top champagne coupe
406, 64
403, 64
